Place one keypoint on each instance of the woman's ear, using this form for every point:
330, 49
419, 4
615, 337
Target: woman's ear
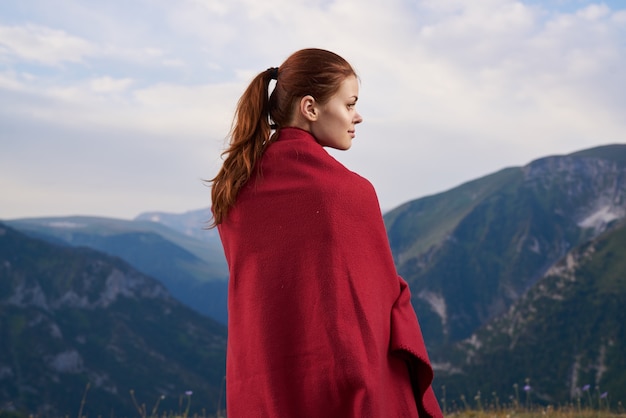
308, 108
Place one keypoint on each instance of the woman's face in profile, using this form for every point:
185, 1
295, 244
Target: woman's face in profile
335, 126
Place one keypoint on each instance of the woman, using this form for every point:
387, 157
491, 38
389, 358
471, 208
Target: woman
320, 324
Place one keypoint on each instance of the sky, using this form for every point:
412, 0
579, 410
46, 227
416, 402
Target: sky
121, 107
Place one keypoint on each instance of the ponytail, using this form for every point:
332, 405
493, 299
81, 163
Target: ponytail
249, 136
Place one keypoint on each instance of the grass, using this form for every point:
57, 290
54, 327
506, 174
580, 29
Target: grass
548, 412
518, 407
539, 412
142, 410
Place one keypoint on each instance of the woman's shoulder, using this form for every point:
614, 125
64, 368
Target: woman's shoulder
296, 161
299, 148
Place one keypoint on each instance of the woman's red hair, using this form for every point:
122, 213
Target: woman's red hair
314, 72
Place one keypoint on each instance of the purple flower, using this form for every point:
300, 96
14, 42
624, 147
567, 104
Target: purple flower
527, 388
604, 395
586, 388
189, 393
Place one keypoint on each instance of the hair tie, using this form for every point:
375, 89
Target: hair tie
273, 73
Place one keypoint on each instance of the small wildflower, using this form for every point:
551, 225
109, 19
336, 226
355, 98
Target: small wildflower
189, 393
527, 388
604, 395
586, 388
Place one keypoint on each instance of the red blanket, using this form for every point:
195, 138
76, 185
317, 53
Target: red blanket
320, 324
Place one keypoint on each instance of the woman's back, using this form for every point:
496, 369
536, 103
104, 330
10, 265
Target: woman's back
311, 292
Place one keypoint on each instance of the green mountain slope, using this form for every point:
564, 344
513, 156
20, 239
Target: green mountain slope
471, 252
194, 271
72, 316
568, 331
419, 225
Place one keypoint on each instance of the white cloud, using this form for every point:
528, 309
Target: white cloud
451, 89
110, 85
41, 44
106, 103
619, 17
594, 12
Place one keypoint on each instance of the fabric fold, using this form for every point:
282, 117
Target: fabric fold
407, 342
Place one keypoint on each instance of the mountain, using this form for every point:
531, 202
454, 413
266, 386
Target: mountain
471, 252
564, 337
70, 317
193, 223
194, 271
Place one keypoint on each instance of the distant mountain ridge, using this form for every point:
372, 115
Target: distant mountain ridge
194, 271
69, 316
193, 223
